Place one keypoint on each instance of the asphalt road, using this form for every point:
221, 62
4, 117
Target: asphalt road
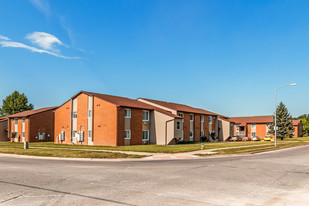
277, 178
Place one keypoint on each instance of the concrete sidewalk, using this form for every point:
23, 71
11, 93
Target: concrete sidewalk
160, 156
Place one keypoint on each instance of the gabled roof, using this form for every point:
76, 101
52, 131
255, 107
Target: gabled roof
181, 107
31, 112
119, 101
243, 121
3, 119
296, 122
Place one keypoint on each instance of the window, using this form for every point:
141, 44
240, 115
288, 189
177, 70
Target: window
237, 126
178, 125
202, 133
89, 133
267, 129
191, 134
74, 133
253, 134
16, 121
89, 113
210, 120
127, 113
145, 115
23, 120
191, 117
253, 126
74, 115
146, 135
202, 118
127, 134
180, 114
23, 134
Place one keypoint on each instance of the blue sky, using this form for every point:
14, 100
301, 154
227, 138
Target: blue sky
223, 56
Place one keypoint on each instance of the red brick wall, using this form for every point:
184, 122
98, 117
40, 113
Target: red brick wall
3, 132
120, 128
136, 126
42, 122
104, 123
206, 125
62, 122
197, 127
82, 116
186, 127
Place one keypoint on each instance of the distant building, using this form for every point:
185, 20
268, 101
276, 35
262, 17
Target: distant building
298, 126
4, 129
32, 125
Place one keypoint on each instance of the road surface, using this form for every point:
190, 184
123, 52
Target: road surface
276, 178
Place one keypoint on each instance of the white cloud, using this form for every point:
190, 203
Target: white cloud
6, 42
42, 5
44, 40
4, 38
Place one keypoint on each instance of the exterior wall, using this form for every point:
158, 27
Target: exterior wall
82, 117
197, 128
224, 129
3, 132
157, 105
186, 127
18, 137
161, 131
105, 123
40, 123
298, 132
206, 126
62, 122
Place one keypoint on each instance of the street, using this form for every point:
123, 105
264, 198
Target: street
274, 178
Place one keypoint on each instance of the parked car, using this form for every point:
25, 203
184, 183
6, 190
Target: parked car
267, 138
246, 139
256, 139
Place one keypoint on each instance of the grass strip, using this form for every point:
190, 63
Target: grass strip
254, 149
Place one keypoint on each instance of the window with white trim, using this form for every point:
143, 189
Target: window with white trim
191, 134
145, 134
202, 118
178, 125
253, 134
145, 115
127, 113
127, 134
210, 120
180, 114
202, 133
74, 115
253, 126
191, 117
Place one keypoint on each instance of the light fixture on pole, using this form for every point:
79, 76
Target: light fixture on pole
293, 84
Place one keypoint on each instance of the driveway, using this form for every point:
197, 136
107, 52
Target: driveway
274, 178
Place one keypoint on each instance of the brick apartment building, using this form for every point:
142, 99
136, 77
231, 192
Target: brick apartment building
298, 128
99, 119
3, 129
33, 125
195, 123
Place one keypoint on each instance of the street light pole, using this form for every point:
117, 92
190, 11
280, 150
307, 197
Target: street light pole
293, 84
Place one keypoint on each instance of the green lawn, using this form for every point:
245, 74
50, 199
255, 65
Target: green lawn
141, 148
17, 148
257, 148
296, 139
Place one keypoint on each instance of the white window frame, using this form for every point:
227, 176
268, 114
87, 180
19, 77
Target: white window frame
129, 132
178, 122
147, 112
191, 115
202, 118
202, 133
210, 119
126, 112
74, 116
252, 134
253, 126
147, 131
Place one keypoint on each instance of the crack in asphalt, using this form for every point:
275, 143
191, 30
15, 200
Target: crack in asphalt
58, 191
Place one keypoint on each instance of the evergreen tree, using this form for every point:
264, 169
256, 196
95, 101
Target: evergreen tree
284, 123
15, 103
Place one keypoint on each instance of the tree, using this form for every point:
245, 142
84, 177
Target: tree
15, 103
305, 121
284, 123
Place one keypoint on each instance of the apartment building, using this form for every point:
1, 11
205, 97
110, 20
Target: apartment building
98, 119
33, 125
196, 122
298, 128
252, 126
3, 129
225, 128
